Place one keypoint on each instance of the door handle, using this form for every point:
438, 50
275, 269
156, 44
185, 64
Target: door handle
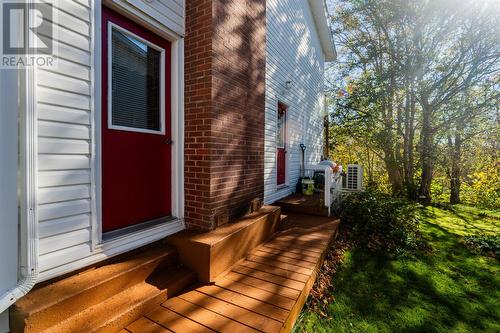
169, 142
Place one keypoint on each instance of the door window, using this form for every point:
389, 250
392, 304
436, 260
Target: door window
281, 126
136, 83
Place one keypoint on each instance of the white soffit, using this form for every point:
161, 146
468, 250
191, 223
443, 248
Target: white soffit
319, 12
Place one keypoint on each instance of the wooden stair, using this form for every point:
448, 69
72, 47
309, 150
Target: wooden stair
103, 299
264, 292
303, 204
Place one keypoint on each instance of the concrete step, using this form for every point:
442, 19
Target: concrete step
54, 303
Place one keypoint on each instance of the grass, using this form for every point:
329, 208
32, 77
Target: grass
450, 289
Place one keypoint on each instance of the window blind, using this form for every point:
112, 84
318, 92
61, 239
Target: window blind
136, 83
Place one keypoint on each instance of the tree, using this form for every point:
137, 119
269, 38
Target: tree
409, 73
457, 47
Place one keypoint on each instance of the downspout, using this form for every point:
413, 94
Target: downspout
28, 231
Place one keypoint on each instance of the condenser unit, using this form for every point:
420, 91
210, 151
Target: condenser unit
353, 178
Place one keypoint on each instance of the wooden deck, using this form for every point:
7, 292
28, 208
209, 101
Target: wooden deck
262, 293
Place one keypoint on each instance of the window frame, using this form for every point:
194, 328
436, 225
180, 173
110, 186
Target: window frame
109, 45
281, 130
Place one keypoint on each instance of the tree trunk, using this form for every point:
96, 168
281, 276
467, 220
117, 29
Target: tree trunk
394, 173
456, 163
426, 153
409, 137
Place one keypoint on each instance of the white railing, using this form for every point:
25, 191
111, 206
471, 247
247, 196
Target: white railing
333, 182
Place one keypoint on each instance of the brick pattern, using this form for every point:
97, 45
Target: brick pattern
198, 112
225, 108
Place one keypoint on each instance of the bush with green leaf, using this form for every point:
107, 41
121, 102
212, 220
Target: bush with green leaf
485, 244
380, 222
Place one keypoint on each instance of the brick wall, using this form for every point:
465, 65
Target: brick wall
225, 107
198, 111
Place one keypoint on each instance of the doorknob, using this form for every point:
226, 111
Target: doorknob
169, 142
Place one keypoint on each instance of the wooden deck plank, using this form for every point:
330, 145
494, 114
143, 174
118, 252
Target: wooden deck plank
279, 258
144, 325
276, 271
265, 285
205, 317
290, 253
244, 316
176, 322
256, 293
279, 280
245, 302
288, 248
279, 264
308, 248
323, 236
286, 237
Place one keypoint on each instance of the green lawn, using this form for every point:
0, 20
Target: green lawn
449, 289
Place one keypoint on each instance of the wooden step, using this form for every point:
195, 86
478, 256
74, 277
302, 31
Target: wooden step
127, 306
212, 253
49, 305
263, 293
303, 204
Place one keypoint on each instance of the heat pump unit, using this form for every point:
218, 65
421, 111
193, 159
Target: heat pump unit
354, 178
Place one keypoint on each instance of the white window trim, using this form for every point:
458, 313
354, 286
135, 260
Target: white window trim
162, 130
288, 162
285, 123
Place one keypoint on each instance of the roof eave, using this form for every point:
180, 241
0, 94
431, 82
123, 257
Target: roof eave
319, 11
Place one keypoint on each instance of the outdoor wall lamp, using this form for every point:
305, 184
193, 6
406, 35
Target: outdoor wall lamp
287, 86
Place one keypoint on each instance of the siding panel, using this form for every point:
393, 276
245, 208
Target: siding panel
62, 209
56, 80
61, 178
293, 54
62, 162
63, 225
65, 256
63, 193
64, 147
62, 241
63, 130
169, 13
61, 114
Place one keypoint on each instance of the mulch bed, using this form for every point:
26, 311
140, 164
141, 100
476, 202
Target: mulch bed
323, 290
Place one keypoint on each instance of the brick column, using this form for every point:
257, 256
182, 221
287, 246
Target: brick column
225, 108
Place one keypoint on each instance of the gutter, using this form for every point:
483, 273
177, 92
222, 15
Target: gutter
28, 216
28, 233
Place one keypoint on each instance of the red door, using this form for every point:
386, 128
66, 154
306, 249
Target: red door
136, 146
281, 144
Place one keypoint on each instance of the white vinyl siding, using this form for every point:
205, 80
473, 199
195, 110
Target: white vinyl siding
64, 146
293, 54
170, 13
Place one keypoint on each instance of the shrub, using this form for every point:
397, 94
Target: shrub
484, 188
484, 244
380, 222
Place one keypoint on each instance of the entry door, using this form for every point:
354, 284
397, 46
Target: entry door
136, 146
281, 144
